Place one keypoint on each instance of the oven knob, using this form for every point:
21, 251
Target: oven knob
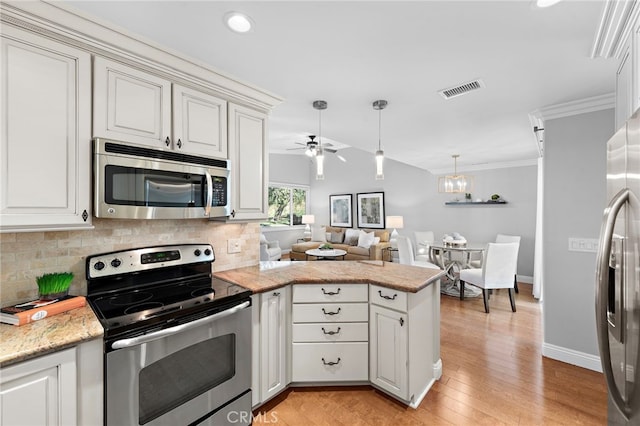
197, 252
116, 262
99, 265
207, 252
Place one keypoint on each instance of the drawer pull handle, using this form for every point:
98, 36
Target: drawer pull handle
387, 297
276, 294
331, 362
331, 333
331, 313
331, 293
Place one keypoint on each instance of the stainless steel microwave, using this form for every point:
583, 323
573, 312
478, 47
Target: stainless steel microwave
136, 182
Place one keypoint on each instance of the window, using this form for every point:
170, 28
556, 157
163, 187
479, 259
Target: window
287, 204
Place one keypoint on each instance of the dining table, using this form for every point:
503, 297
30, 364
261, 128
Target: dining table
452, 257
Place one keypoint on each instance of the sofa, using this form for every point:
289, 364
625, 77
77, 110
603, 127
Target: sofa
337, 238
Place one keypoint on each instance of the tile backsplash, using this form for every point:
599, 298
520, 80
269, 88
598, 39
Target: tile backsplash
26, 255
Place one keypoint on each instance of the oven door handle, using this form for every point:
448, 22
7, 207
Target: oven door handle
134, 341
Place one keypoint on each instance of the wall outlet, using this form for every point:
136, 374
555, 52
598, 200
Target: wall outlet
233, 245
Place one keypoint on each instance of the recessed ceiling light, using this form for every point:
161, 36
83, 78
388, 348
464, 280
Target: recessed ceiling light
238, 22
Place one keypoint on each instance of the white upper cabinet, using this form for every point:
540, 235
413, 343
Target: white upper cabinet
130, 105
636, 67
199, 122
45, 126
249, 158
135, 106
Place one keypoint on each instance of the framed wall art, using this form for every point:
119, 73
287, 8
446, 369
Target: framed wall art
371, 210
340, 210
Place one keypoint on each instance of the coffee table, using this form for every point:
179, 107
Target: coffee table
332, 254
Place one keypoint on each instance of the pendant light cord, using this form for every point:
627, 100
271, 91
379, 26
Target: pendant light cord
379, 127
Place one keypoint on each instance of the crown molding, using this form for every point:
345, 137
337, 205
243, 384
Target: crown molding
616, 23
582, 106
66, 24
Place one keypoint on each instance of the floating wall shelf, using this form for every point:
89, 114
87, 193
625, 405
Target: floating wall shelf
472, 203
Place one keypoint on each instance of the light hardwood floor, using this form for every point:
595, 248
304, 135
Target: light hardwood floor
493, 373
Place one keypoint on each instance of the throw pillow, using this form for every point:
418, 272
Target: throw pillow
365, 239
376, 240
319, 234
351, 237
337, 236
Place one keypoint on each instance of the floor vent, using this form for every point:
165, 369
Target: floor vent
462, 89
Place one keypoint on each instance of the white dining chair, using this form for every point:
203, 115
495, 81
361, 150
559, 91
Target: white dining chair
502, 238
498, 270
423, 238
406, 256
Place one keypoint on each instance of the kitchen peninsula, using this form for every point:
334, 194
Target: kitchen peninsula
343, 323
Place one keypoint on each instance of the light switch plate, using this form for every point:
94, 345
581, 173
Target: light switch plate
588, 245
233, 245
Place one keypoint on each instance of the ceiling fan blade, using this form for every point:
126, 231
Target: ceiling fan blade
300, 143
294, 149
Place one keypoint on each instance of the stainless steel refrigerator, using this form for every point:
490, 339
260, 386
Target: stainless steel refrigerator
618, 276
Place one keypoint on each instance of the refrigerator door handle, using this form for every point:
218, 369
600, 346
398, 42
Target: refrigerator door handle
602, 282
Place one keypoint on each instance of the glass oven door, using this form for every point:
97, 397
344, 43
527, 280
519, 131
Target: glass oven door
185, 375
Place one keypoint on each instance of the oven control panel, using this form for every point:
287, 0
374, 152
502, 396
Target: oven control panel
142, 259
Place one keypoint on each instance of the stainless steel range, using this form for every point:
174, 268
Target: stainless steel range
177, 341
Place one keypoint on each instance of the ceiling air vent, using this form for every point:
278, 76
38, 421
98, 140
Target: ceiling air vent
462, 89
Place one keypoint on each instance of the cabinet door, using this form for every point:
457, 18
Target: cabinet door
249, 163
388, 350
40, 392
131, 105
46, 133
199, 123
624, 96
273, 323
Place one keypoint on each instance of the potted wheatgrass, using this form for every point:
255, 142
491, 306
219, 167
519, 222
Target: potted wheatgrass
54, 286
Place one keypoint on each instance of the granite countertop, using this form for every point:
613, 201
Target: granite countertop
47, 335
271, 275
79, 325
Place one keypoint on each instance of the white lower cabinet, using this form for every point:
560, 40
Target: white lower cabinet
349, 333
62, 388
404, 345
270, 343
329, 333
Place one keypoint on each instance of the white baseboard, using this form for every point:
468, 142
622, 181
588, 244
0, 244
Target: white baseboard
524, 279
580, 359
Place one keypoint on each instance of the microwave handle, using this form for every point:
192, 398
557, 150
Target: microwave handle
145, 338
207, 204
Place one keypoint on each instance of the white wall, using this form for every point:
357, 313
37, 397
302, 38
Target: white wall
574, 201
412, 193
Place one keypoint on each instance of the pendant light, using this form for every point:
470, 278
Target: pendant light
379, 106
319, 105
455, 183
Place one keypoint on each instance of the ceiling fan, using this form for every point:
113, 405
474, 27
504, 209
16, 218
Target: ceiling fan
311, 148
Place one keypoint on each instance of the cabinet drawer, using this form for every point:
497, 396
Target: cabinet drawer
329, 362
317, 293
330, 312
334, 332
388, 297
